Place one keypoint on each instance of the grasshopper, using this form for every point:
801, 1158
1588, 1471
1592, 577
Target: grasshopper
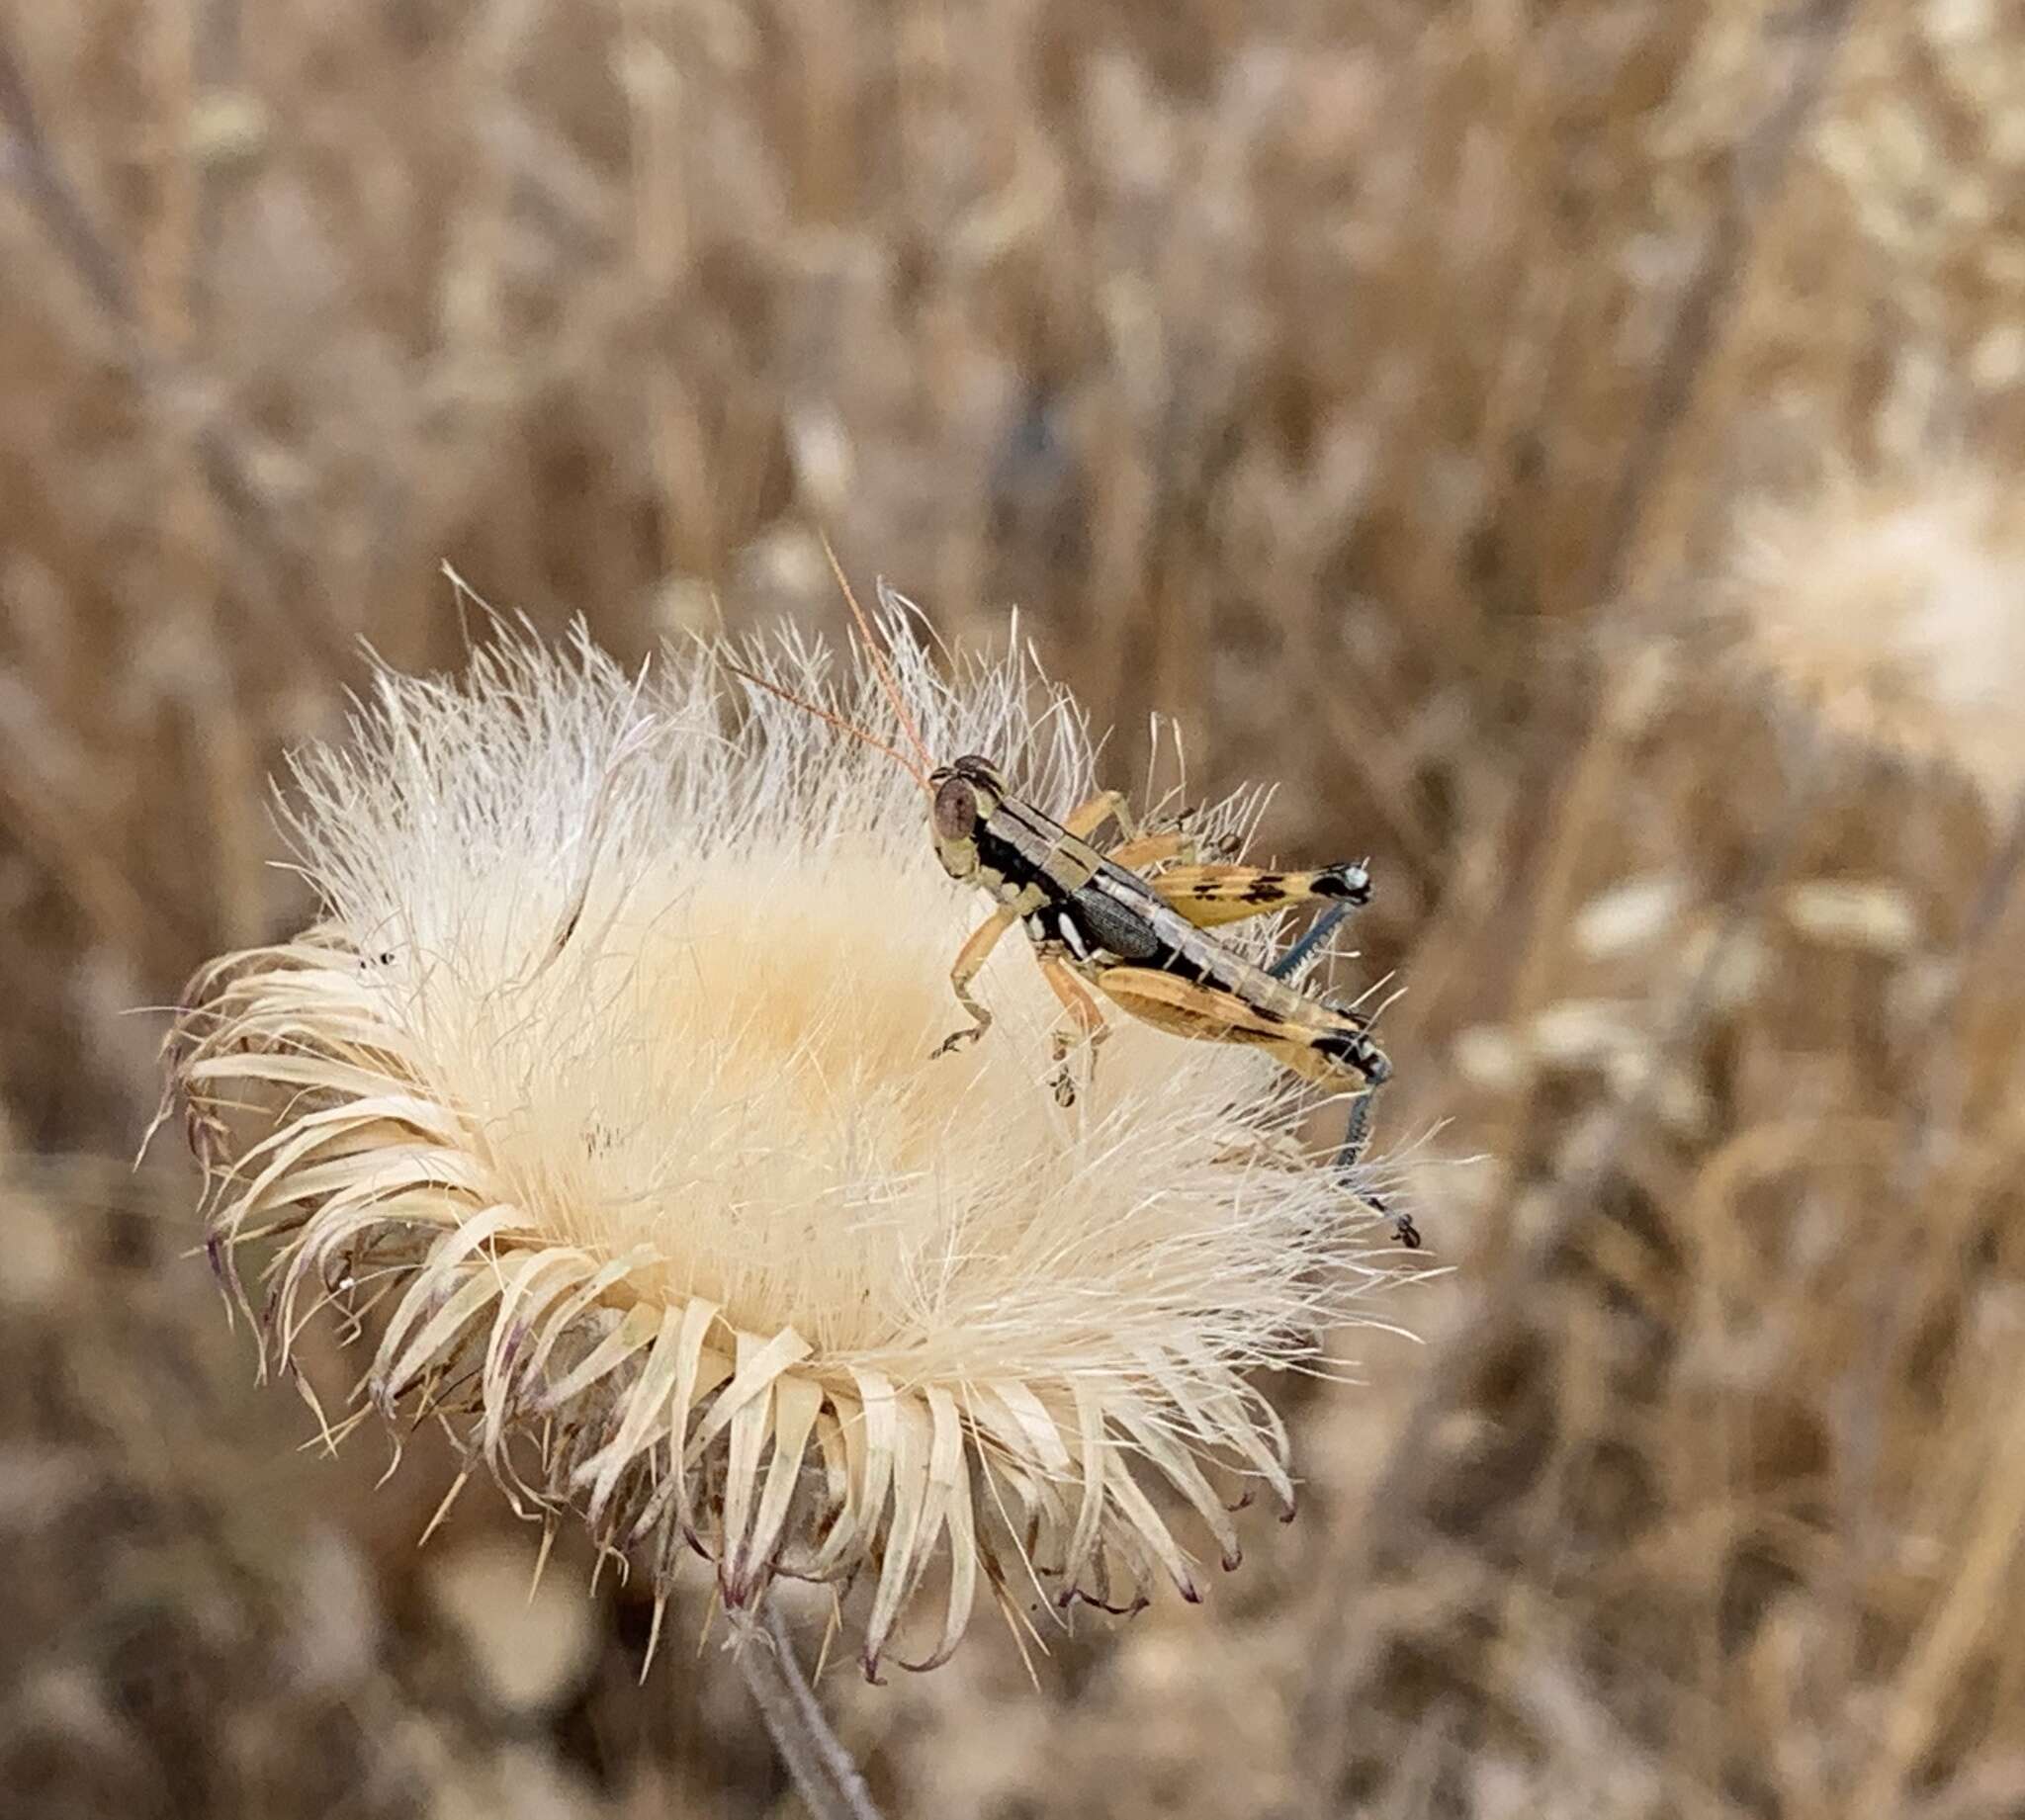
1142, 940
1131, 919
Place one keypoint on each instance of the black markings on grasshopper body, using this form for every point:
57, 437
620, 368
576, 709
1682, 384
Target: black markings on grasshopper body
1094, 931
1142, 942
1139, 939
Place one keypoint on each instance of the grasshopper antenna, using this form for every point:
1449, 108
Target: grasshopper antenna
823, 714
887, 680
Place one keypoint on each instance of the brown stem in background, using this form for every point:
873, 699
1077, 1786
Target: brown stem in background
1704, 310
1709, 300
1935, 1093
1501, 1309
216, 60
286, 587
825, 1775
25, 162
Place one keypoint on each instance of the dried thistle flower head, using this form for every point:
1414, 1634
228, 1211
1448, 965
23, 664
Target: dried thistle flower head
605, 1076
1897, 609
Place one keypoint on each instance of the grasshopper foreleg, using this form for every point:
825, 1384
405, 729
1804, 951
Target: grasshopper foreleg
969, 962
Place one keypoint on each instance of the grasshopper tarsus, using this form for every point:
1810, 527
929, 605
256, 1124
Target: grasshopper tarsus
957, 1040
1403, 1228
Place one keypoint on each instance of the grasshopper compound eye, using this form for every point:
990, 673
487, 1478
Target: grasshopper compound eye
954, 813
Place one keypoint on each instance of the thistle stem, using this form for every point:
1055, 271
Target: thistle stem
824, 1773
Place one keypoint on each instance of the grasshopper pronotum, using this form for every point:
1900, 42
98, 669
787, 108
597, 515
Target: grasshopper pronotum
1139, 938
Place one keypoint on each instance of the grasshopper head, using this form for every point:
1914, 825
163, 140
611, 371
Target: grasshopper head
964, 795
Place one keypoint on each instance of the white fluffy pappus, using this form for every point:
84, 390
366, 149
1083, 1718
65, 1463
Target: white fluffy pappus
1895, 605
604, 1079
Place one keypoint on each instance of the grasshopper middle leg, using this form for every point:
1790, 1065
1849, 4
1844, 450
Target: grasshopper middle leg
1084, 1023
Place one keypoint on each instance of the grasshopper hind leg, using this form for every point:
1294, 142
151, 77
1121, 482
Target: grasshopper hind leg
1360, 1054
1369, 1061
1319, 931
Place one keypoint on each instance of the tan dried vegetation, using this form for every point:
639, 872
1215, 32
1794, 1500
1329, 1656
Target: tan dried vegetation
1473, 418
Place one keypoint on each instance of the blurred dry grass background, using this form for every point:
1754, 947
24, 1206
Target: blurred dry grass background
1437, 409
